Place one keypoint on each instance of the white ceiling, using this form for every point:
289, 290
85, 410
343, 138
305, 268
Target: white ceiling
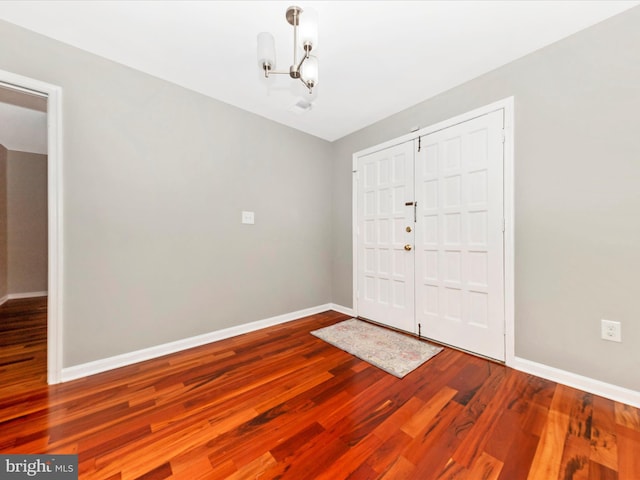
376, 57
23, 129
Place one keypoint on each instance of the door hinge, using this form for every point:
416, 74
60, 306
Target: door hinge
503, 136
419, 143
419, 330
504, 225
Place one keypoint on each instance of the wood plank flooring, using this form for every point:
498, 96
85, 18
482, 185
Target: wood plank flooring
23, 344
281, 404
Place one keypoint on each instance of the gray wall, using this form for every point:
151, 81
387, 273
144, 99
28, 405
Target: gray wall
4, 262
27, 222
577, 195
155, 177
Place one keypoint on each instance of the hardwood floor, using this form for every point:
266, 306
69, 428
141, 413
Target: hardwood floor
23, 344
280, 403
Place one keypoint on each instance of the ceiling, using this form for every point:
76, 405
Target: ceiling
23, 121
23, 129
376, 57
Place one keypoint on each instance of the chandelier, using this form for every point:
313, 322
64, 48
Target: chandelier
305, 36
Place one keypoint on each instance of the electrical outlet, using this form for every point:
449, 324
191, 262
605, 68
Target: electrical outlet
611, 330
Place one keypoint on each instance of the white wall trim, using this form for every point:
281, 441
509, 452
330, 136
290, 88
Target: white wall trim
509, 230
343, 310
613, 392
507, 105
607, 390
463, 117
55, 213
13, 296
102, 365
354, 232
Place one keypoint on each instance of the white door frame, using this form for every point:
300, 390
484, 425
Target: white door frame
54, 186
506, 104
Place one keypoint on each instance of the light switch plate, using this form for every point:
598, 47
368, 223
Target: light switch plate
248, 218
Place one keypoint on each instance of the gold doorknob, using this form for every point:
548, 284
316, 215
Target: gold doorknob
408, 229
407, 247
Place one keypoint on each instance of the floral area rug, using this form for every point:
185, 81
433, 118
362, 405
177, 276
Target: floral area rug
390, 351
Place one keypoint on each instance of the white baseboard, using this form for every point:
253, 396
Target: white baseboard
102, 365
341, 309
12, 296
607, 390
613, 392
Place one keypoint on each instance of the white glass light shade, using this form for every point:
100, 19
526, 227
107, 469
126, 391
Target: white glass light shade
309, 70
308, 29
266, 50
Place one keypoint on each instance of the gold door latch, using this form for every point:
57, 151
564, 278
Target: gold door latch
407, 247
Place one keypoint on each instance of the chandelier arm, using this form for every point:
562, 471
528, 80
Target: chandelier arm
302, 61
299, 67
307, 84
266, 68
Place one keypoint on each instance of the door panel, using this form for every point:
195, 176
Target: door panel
451, 282
385, 268
459, 236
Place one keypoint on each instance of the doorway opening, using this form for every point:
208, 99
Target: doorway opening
19, 86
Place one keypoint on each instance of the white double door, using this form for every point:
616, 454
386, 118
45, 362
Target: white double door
430, 238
